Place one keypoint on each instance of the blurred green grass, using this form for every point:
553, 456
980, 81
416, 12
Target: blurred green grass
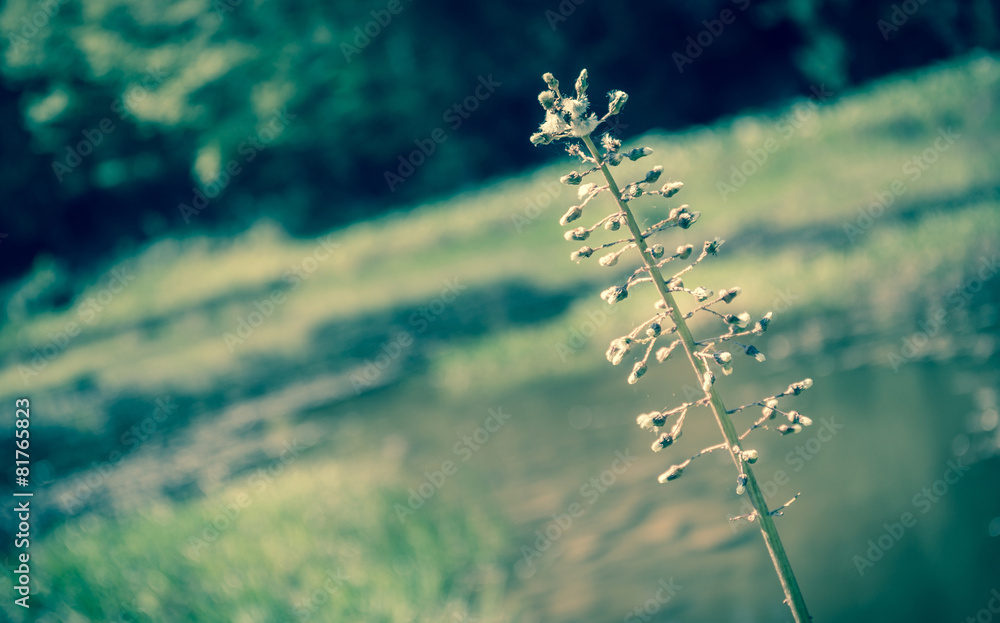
787, 241
293, 543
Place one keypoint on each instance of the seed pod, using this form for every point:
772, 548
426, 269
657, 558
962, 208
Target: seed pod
618, 99
686, 220
584, 190
650, 420
684, 251
768, 411
634, 191
614, 294
638, 152
729, 295
723, 357
795, 417
673, 473
571, 215
612, 224
581, 84
790, 429
580, 233
740, 320
663, 353
664, 440
656, 251
653, 330
761, 327
671, 188
676, 284
756, 354
572, 178
653, 175
618, 349
576, 256
610, 259
741, 483
798, 388
551, 81
541, 138
637, 371
701, 293
750, 456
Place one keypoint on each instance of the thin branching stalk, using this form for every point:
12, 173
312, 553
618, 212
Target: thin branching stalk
793, 595
568, 118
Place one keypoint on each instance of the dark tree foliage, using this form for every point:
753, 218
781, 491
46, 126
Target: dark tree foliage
128, 120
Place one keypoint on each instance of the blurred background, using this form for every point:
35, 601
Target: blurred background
286, 289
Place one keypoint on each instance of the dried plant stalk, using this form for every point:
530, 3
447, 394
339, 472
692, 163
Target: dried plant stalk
569, 118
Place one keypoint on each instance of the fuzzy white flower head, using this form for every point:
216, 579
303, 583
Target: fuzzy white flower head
585, 126
553, 124
576, 108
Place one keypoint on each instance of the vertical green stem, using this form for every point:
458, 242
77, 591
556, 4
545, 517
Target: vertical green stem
793, 596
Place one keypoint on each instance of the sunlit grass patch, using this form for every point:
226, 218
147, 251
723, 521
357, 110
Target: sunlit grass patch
316, 542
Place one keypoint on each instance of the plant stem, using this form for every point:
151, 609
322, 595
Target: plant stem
793, 596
